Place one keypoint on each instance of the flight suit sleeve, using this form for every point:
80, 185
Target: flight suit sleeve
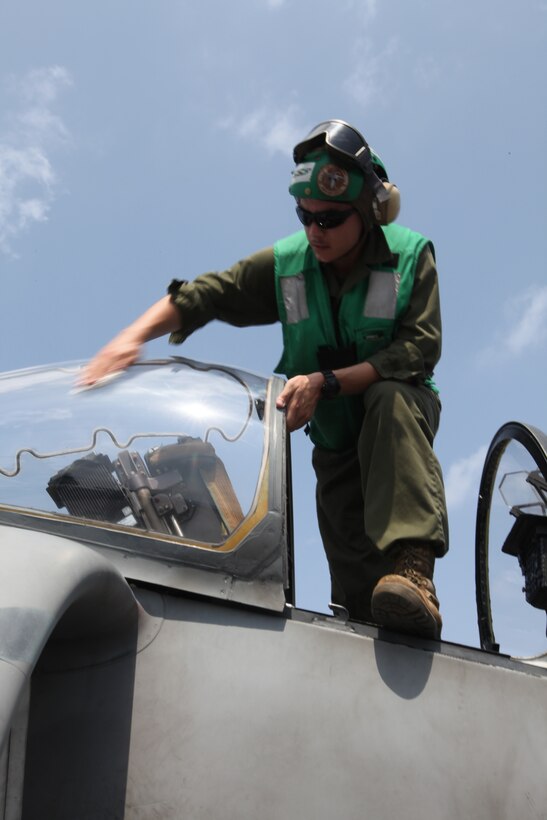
243, 295
416, 347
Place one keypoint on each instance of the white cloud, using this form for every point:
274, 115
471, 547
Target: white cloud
365, 9
276, 131
427, 71
526, 320
29, 134
369, 8
367, 82
531, 328
463, 478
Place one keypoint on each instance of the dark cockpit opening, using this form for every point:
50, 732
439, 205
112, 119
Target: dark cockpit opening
512, 523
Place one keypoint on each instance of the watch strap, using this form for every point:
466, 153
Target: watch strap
331, 385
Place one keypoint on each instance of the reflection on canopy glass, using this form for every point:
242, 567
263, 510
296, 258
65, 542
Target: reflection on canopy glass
169, 447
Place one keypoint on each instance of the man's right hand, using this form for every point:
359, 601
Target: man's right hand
117, 355
124, 349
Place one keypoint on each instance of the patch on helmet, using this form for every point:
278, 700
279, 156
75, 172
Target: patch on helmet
332, 180
302, 172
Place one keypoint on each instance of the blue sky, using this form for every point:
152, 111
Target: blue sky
143, 141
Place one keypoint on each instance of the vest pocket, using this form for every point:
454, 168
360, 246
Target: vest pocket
371, 339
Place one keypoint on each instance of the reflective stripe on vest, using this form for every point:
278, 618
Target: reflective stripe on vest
380, 302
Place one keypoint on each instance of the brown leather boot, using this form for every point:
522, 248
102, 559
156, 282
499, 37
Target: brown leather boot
406, 601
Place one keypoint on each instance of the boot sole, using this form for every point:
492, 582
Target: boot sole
402, 610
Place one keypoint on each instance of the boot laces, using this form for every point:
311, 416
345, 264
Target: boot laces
415, 565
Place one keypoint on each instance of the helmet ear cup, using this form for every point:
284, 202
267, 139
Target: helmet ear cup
388, 210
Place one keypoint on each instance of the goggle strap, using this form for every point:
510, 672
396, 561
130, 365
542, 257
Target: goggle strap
381, 193
365, 163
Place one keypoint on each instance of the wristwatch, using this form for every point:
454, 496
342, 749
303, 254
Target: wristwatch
331, 385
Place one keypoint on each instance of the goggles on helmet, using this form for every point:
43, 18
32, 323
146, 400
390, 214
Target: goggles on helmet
346, 142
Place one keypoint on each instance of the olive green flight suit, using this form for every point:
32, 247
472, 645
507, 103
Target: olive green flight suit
388, 490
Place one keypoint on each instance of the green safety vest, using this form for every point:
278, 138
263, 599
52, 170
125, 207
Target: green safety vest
367, 318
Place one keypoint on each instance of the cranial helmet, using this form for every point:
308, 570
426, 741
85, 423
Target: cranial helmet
335, 163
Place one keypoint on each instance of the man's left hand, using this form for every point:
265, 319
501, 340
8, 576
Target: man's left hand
299, 399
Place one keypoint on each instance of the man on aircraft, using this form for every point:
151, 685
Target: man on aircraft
358, 300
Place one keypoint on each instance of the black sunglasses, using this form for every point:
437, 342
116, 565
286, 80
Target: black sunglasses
323, 219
